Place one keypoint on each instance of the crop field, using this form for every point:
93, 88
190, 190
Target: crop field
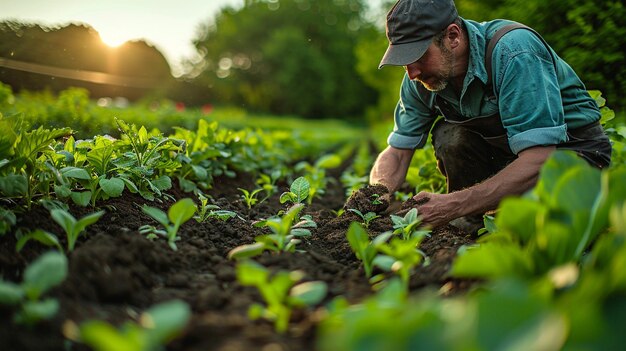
150, 228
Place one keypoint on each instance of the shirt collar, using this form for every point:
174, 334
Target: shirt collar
476, 65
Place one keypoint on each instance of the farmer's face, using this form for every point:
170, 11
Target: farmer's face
434, 69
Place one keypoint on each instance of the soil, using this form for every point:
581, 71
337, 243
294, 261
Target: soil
115, 272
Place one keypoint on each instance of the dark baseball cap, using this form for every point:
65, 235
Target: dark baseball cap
411, 26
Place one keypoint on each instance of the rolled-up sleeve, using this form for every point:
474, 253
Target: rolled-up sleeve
412, 118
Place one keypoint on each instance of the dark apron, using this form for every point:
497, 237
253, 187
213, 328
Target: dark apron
589, 142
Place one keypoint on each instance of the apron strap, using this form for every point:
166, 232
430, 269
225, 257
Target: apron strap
491, 44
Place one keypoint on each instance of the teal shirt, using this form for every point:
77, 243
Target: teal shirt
537, 99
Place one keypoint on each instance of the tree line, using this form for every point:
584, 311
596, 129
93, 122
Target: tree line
319, 58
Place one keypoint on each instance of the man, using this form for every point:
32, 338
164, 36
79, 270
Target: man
499, 124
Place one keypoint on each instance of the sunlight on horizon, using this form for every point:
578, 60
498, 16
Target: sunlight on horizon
113, 39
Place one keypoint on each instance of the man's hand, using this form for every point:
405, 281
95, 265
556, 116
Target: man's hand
372, 198
434, 209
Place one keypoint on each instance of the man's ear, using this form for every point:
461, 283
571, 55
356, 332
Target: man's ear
454, 35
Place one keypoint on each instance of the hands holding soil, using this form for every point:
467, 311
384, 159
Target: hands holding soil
432, 208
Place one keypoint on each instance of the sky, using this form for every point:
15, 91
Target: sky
169, 25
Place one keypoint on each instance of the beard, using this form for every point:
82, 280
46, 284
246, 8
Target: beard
439, 81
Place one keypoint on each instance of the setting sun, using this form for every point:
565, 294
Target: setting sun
113, 38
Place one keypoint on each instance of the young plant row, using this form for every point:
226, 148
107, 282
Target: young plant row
552, 261
50, 167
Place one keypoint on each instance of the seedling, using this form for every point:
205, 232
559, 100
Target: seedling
179, 213
316, 173
367, 218
284, 237
279, 292
46, 272
364, 249
250, 197
298, 191
73, 228
408, 226
268, 183
376, 199
207, 211
399, 256
155, 328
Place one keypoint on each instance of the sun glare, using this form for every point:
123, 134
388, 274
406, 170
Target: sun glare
113, 39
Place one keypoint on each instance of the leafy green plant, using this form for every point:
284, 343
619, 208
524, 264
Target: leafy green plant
250, 197
551, 226
268, 183
367, 217
399, 256
298, 191
280, 292
24, 173
408, 225
46, 272
154, 329
147, 155
364, 249
179, 213
73, 228
376, 199
316, 174
284, 237
206, 211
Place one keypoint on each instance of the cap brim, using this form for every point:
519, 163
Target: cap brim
404, 54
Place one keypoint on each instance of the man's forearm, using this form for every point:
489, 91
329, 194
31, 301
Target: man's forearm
515, 179
390, 168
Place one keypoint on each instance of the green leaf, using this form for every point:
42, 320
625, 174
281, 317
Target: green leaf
10, 293
519, 216
64, 219
113, 187
328, 161
34, 311
182, 211
586, 181
102, 336
41, 236
300, 187
162, 183
251, 273
493, 260
62, 191
88, 220
288, 196
142, 135
81, 198
557, 164
384, 262
358, 239
47, 271
157, 214
13, 185
76, 173
308, 294
246, 251
164, 321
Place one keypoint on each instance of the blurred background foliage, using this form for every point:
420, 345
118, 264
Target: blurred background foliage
314, 59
